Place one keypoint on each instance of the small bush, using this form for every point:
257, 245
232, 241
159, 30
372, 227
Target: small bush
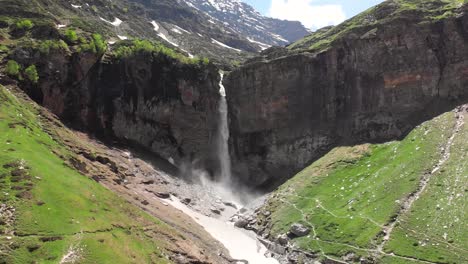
46, 46
100, 43
31, 74
13, 68
147, 47
25, 24
71, 35
96, 45
3, 48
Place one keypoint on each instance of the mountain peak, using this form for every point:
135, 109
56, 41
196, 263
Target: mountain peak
246, 21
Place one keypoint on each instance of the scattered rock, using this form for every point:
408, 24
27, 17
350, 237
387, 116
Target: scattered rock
144, 202
230, 205
299, 230
186, 201
241, 223
148, 182
215, 210
50, 239
283, 239
33, 247
273, 247
162, 195
96, 178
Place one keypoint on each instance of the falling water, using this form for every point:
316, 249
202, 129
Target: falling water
223, 135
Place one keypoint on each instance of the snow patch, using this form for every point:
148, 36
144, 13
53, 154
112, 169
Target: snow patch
76, 6
177, 31
262, 45
278, 37
161, 35
155, 25
188, 54
181, 29
116, 22
214, 41
59, 26
122, 37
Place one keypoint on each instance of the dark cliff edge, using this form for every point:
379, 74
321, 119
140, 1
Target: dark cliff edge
151, 101
374, 84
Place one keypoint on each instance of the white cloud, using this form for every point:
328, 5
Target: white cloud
312, 16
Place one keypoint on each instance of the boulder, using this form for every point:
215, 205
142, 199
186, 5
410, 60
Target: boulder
186, 201
283, 239
299, 230
241, 223
215, 210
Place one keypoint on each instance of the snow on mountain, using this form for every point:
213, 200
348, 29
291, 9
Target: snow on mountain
246, 21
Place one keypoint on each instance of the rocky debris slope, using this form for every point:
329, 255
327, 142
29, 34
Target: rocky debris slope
369, 83
246, 21
53, 209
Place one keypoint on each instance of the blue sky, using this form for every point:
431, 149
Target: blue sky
313, 13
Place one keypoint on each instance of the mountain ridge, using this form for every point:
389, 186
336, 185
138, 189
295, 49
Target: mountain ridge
244, 19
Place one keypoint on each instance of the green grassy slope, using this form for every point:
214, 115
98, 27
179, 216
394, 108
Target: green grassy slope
352, 196
49, 210
373, 18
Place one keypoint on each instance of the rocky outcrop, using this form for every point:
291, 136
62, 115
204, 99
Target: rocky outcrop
166, 106
374, 84
152, 101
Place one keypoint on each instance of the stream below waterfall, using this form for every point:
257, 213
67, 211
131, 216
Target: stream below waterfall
241, 244
214, 204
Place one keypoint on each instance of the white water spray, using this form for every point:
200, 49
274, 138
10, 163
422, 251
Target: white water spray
223, 135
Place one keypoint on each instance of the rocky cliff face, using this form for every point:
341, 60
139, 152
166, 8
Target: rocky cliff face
372, 84
155, 102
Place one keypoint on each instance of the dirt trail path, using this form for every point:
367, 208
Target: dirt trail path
459, 115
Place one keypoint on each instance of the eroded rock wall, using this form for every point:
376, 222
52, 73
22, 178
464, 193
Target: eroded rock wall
367, 87
154, 102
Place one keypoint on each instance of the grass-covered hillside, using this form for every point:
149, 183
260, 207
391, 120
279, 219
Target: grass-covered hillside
368, 22
398, 202
49, 213
171, 22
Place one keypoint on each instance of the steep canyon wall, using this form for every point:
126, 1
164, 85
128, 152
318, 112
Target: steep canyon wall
375, 84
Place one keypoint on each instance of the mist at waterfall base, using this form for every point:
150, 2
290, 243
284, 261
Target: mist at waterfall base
224, 184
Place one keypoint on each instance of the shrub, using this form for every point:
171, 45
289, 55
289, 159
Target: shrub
24, 24
31, 74
99, 43
12, 68
71, 35
46, 46
3, 48
96, 45
144, 46
205, 61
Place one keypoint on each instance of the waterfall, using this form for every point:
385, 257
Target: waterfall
223, 135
